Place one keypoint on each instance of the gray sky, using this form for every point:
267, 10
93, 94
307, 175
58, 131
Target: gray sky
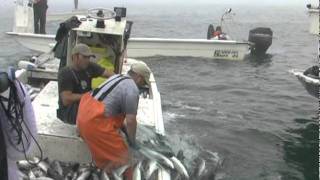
8, 3
288, 2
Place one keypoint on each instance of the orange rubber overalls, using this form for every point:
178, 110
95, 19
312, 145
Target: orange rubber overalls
108, 148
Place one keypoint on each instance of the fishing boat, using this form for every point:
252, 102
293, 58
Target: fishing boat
313, 12
230, 49
61, 141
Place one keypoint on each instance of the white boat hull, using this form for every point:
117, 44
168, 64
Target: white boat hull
146, 47
314, 21
216, 49
310, 84
36, 42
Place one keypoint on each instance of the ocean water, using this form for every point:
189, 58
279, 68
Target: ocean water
253, 113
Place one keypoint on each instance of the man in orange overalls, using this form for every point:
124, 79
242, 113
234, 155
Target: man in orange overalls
106, 110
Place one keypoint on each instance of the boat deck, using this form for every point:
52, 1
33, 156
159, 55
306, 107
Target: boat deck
57, 139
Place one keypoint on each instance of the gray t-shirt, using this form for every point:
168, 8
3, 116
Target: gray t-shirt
123, 99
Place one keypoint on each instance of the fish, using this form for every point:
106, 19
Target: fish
37, 172
41, 178
152, 166
69, 175
94, 176
137, 172
31, 91
31, 174
44, 166
179, 167
116, 176
121, 170
153, 154
163, 174
104, 176
24, 165
75, 175
22, 175
84, 175
72, 171
55, 170
200, 169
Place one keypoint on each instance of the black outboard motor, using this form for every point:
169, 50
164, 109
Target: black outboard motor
262, 39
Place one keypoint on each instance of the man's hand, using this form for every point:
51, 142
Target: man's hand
68, 97
107, 73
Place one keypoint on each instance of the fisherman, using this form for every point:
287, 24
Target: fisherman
218, 34
75, 80
39, 11
75, 4
113, 107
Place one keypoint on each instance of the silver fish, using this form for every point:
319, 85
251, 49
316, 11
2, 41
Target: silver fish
41, 178
153, 154
199, 171
152, 166
31, 91
21, 175
163, 174
38, 172
121, 170
116, 176
24, 165
104, 176
75, 175
180, 167
84, 175
55, 165
44, 166
31, 174
137, 172
94, 176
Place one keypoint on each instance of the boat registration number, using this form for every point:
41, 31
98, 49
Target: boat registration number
226, 53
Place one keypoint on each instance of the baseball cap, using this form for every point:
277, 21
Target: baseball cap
142, 69
82, 49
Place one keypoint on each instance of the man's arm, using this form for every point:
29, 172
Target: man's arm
68, 97
131, 128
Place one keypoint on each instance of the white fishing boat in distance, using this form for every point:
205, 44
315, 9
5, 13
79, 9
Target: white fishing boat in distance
229, 49
313, 13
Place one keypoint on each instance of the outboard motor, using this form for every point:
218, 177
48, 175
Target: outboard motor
262, 39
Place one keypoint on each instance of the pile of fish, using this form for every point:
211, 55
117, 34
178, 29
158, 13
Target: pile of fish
146, 165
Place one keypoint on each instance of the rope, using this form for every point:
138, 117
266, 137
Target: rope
15, 117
